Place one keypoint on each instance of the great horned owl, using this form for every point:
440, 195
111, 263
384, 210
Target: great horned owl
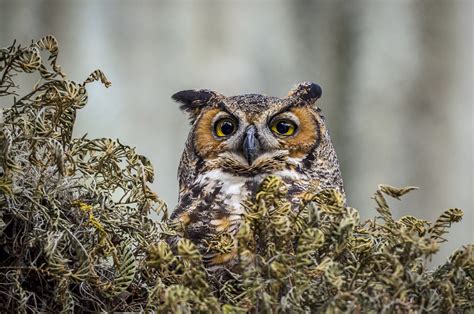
234, 143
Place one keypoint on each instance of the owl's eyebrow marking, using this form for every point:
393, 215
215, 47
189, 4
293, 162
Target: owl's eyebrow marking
222, 106
282, 110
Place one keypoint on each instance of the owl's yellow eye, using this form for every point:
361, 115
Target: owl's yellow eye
283, 127
224, 127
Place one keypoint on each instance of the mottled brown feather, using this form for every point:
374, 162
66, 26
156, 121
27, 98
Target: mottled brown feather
207, 146
307, 133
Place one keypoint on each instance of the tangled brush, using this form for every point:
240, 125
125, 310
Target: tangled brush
74, 212
75, 232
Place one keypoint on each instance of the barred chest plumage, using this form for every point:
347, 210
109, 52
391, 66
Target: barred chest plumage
214, 202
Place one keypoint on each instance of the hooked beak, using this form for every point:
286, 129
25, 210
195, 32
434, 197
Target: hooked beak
250, 145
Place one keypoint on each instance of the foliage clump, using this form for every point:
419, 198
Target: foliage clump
75, 232
73, 212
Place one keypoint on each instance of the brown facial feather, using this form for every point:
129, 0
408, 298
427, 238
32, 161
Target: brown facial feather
307, 135
298, 146
266, 163
207, 146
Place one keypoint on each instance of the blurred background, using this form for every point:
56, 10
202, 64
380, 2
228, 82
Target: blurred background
397, 79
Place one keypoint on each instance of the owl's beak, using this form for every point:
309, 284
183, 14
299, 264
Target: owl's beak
250, 145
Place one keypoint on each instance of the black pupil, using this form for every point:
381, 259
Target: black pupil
227, 127
283, 127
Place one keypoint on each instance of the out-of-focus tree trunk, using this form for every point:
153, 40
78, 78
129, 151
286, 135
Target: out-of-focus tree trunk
407, 124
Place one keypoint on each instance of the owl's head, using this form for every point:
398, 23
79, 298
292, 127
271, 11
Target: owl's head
254, 134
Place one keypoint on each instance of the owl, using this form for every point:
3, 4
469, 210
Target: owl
234, 143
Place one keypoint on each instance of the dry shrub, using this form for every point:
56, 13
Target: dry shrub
75, 233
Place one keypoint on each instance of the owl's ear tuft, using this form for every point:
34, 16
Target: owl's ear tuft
308, 91
193, 100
